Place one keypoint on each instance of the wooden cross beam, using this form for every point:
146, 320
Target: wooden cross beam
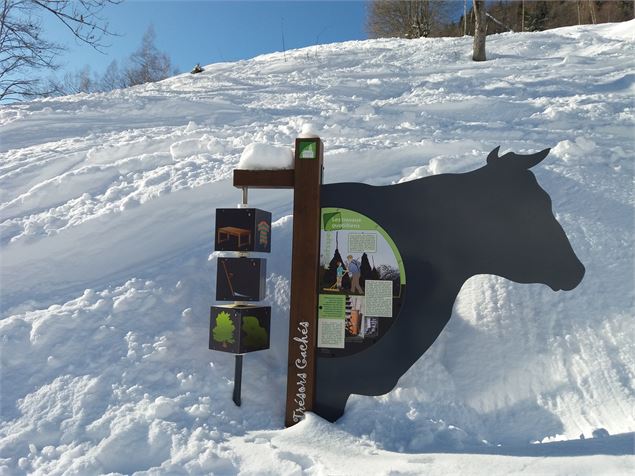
264, 178
305, 179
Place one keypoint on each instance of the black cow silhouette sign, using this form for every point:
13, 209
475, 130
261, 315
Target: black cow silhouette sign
494, 220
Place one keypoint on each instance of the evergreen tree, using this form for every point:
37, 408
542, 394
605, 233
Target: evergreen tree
365, 270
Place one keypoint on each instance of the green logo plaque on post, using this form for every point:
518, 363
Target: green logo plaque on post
308, 149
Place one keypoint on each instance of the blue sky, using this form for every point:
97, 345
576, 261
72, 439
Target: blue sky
209, 31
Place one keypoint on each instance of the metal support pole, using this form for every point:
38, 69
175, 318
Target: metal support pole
238, 363
238, 378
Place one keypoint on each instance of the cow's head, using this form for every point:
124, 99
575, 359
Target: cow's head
517, 235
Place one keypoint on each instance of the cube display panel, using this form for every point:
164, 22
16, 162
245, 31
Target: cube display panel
240, 279
242, 229
239, 329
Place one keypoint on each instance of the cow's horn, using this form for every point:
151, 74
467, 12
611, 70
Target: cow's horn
531, 160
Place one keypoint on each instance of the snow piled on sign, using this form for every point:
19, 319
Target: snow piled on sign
107, 272
309, 131
265, 156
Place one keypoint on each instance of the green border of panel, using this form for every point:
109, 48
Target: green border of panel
366, 224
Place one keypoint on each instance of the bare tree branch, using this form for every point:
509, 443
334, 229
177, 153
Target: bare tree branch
24, 51
82, 17
499, 23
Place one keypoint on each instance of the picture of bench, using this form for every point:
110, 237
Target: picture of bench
226, 232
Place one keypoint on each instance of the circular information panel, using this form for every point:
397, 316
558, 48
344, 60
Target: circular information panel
361, 282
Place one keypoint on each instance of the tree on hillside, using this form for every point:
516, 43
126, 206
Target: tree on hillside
405, 18
23, 48
82, 81
537, 18
147, 64
480, 30
537, 15
112, 78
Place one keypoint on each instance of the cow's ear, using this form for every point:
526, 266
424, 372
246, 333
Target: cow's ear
493, 155
529, 161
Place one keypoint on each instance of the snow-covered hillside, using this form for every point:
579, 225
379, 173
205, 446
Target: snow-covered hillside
107, 207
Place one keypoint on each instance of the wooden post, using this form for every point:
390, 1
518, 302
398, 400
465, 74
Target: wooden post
305, 260
305, 180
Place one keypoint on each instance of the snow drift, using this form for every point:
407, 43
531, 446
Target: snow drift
107, 205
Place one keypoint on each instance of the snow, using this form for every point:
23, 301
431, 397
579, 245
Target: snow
308, 131
265, 156
107, 271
